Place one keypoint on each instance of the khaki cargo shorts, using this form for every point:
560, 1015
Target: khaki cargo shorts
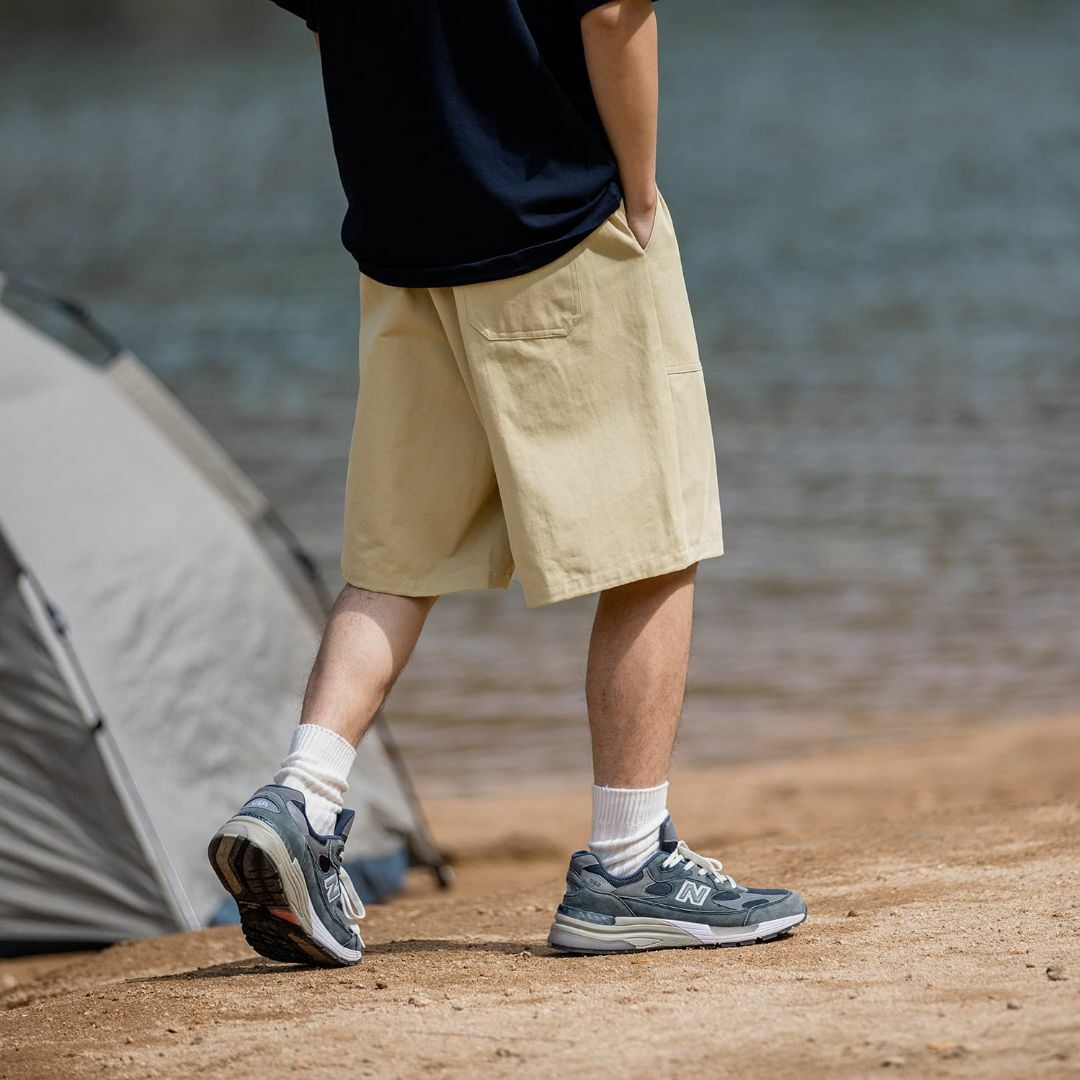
554, 423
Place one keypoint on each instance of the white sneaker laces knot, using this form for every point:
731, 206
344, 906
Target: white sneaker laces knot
705, 866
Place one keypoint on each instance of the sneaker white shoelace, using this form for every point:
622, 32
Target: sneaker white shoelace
352, 907
705, 865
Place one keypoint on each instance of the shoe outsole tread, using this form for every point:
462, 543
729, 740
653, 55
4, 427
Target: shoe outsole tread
260, 889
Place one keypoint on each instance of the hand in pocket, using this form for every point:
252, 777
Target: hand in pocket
642, 223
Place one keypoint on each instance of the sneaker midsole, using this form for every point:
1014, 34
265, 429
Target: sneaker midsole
628, 932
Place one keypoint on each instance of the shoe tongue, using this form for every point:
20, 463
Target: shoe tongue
344, 824
669, 838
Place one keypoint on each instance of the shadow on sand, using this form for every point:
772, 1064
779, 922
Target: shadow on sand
406, 947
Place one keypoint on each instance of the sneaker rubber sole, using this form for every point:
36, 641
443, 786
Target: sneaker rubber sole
627, 934
276, 913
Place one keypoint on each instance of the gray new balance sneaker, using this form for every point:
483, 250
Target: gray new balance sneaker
677, 899
296, 901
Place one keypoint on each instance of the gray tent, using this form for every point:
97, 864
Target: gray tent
155, 631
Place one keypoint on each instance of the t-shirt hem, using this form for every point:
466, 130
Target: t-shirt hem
585, 6
499, 266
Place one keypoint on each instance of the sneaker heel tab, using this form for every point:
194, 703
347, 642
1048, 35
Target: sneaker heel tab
345, 821
668, 838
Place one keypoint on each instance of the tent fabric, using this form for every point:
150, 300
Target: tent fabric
191, 640
145, 391
172, 420
51, 773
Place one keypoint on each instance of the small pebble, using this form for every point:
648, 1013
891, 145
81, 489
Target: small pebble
948, 1049
1012, 1004
381, 984
893, 1063
1055, 973
852, 914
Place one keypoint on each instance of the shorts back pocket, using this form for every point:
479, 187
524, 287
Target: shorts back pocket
544, 303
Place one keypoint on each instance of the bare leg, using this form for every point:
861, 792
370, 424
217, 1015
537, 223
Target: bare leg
367, 642
636, 678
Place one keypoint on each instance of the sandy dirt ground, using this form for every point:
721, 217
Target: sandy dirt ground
944, 940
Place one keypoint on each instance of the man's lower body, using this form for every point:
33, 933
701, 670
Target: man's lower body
555, 425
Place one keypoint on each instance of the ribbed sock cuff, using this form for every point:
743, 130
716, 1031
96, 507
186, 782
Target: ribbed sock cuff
333, 752
621, 812
626, 825
318, 764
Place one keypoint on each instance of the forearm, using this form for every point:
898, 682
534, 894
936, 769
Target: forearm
621, 53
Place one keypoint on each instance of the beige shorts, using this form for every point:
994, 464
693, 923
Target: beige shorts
554, 423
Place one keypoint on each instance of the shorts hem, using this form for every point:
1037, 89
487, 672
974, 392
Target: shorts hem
649, 568
432, 585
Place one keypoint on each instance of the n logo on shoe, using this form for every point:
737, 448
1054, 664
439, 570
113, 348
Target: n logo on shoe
333, 887
693, 894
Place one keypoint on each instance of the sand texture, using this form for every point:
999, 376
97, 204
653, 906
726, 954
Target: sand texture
944, 940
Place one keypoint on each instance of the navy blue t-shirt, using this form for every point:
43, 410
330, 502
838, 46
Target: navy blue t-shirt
466, 134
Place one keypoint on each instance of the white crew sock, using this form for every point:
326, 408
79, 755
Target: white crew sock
318, 764
626, 825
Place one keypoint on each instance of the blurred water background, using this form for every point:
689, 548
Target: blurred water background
879, 211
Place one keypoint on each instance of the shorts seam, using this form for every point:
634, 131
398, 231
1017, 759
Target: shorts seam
639, 571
